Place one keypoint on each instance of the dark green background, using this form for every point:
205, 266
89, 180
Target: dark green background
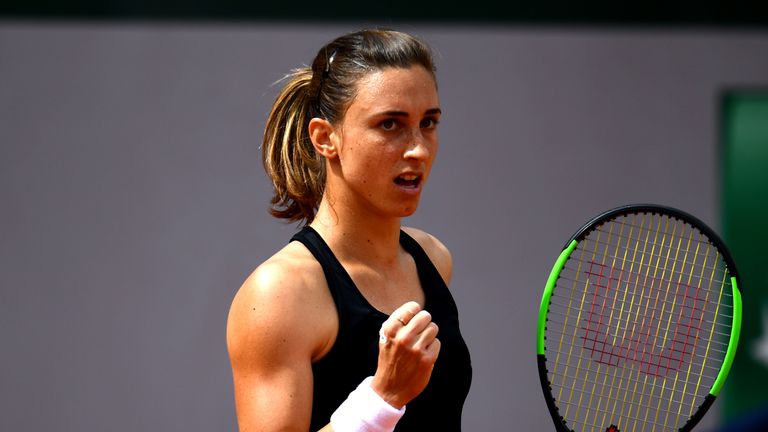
745, 213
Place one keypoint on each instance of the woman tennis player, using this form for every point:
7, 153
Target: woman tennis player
351, 327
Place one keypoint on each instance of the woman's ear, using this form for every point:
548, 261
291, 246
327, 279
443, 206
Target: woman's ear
323, 136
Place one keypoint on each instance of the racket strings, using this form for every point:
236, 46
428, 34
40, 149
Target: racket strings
686, 324
682, 300
648, 360
644, 423
704, 268
664, 221
630, 380
642, 404
723, 324
708, 315
643, 354
616, 335
697, 313
666, 303
666, 244
572, 389
688, 310
608, 411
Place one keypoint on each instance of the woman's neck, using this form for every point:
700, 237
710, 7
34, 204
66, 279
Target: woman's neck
358, 236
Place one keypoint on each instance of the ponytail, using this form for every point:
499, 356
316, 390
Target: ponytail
290, 160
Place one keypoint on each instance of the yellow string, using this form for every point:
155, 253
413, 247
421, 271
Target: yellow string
677, 330
565, 326
573, 335
654, 243
655, 303
661, 314
703, 314
690, 323
619, 420
587, 374
630, 238
610, 318
714, 319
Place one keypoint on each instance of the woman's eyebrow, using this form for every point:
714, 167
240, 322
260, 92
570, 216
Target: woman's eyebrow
394, 113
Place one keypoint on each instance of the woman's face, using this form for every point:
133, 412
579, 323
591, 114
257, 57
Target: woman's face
387, 140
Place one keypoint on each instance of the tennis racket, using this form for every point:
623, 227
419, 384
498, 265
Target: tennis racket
638, 323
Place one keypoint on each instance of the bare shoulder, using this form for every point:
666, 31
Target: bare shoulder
437, 252
281, 300
284, 277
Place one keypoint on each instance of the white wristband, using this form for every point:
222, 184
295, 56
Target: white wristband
365, 411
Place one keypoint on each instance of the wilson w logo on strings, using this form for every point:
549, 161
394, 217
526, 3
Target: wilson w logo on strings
650, 322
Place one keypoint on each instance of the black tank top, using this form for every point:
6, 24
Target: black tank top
354, 355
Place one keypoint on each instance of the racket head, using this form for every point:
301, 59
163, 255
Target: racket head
638, 323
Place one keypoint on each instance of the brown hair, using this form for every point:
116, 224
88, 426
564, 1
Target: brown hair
324, 90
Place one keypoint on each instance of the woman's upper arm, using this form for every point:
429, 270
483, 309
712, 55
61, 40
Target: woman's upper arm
270, 346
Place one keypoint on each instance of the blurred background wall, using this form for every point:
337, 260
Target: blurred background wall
133, 202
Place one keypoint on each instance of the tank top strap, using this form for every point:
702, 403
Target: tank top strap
335, 274
423, 263
436, 292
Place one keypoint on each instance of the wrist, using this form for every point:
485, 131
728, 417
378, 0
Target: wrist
390, 398
365, 411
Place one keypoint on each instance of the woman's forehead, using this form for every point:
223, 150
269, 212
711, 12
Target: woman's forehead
400, 86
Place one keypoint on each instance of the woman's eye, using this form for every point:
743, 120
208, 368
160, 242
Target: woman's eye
388, 124
428, 123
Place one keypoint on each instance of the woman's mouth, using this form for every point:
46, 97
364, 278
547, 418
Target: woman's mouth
408, 181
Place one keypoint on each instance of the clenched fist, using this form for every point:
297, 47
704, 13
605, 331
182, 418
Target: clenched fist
408, 350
